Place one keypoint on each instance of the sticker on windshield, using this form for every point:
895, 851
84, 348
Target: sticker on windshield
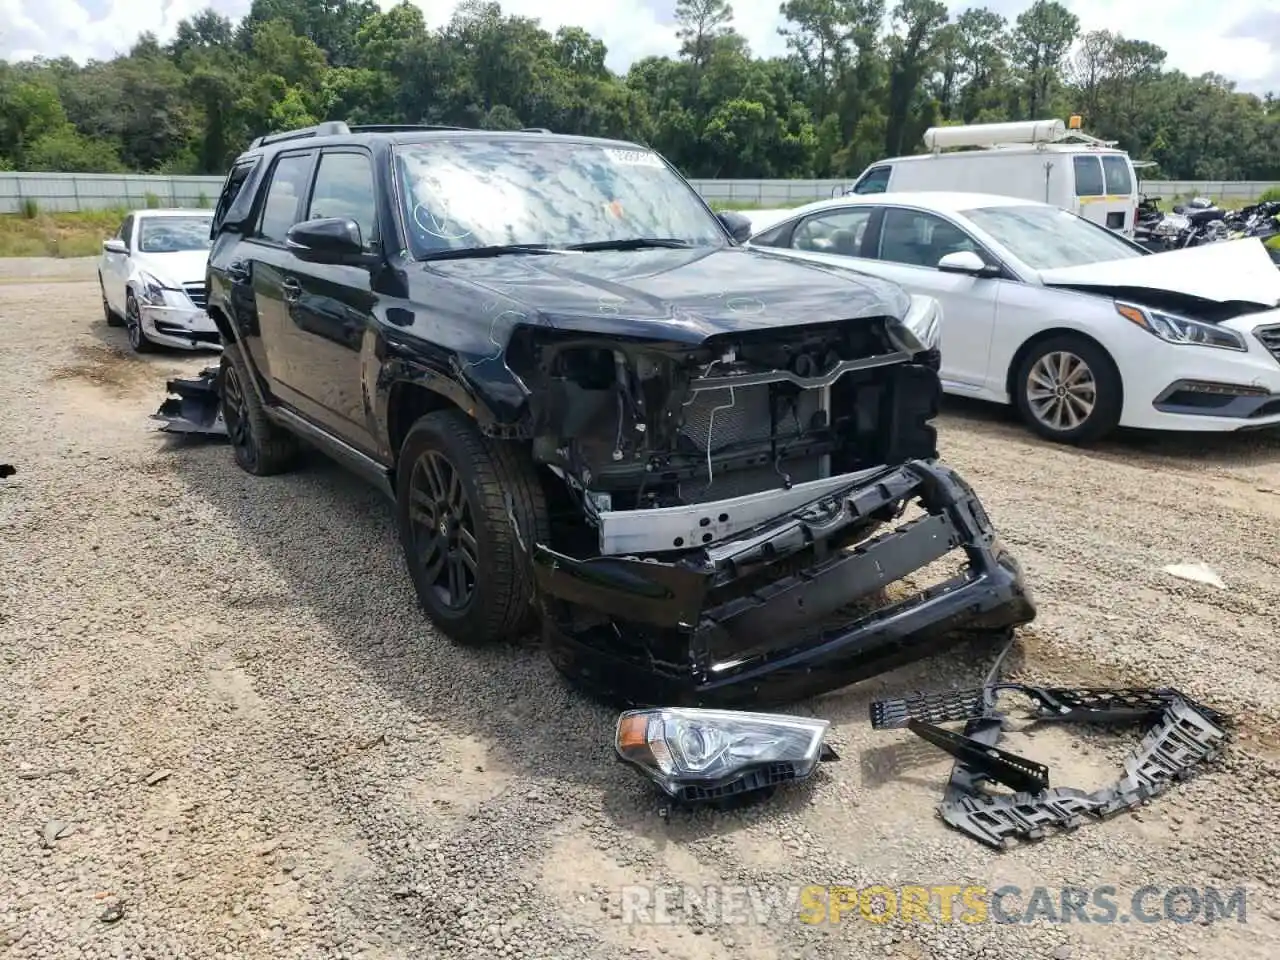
634, 158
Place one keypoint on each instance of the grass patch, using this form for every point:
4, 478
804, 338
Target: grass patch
744, 205
57, 234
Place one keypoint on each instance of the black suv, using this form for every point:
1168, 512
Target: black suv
590, 402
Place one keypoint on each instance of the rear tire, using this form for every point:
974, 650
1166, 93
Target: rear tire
1067, 389
260, 447
472, 577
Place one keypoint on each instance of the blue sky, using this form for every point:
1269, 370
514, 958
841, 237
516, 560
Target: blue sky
1239, 38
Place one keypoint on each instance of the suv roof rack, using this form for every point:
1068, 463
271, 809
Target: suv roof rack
330, 128
400, 127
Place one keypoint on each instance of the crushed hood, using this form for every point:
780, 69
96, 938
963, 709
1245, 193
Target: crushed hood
679, 295
184, 266
1230, 271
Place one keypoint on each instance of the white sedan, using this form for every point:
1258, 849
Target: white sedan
1080, 329
152, 275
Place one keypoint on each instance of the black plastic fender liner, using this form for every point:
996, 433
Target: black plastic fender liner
195, 409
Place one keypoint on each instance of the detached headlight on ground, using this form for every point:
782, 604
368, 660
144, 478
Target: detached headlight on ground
1172, 328
921, 328
700, 755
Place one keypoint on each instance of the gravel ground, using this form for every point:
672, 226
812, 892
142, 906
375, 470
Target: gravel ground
226, 731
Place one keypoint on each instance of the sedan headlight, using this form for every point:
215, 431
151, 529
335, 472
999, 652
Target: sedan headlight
694, 754
157, 294
921, 328
1172, 328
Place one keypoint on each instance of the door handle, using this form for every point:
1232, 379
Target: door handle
292, 289
238, 271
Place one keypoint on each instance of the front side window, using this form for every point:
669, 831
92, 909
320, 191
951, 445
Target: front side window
230, 190
467, 193
344, 189
1089, 181
1047, 238
126, 230
288, 182
836, 231
876, 180
173, 234
920, 239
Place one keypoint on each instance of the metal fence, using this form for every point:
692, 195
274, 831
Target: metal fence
55, 192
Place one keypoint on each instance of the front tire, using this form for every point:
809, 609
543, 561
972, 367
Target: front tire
472, 577
1067, 389
133, 326
260, 447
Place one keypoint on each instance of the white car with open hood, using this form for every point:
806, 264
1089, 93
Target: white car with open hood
152, 275
1077, 327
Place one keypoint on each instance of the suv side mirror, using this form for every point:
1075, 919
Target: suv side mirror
326, 240
966, 261
738, 225
114, 245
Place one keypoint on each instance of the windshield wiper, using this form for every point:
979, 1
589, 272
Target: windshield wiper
633, 243
496, 250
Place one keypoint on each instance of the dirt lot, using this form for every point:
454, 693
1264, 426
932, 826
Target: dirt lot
226, 731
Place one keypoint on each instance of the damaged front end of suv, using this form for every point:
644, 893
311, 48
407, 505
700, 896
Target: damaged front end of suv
742, 512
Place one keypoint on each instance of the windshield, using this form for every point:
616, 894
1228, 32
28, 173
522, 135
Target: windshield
1046, 238
173, 234
475, 192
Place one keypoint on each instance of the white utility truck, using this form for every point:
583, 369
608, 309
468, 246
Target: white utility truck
1040, 160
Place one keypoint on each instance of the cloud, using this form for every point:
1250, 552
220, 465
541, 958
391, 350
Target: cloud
1238, 38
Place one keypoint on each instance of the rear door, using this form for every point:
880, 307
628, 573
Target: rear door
1104, 189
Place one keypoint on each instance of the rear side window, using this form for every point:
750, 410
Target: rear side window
836, 231
875, 180
284, 193
1116, 170
1089, 181
344, 188
230, 190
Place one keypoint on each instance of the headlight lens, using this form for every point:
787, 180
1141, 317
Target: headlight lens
156, 294
921, 328
694, 754
1172, 328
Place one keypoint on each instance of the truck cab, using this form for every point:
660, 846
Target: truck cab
1041, 160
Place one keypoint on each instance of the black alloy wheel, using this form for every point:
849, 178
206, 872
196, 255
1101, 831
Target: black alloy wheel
444, 534
133, 325
235, 414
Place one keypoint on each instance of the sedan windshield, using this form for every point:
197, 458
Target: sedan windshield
1046, 238
527, 192
173, 234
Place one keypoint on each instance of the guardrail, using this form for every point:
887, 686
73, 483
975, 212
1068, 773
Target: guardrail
56, 192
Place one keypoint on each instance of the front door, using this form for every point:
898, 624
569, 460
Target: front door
907, 250
266, 268
330, 307
115, 270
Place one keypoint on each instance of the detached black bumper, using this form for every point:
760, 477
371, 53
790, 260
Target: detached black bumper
765, 617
